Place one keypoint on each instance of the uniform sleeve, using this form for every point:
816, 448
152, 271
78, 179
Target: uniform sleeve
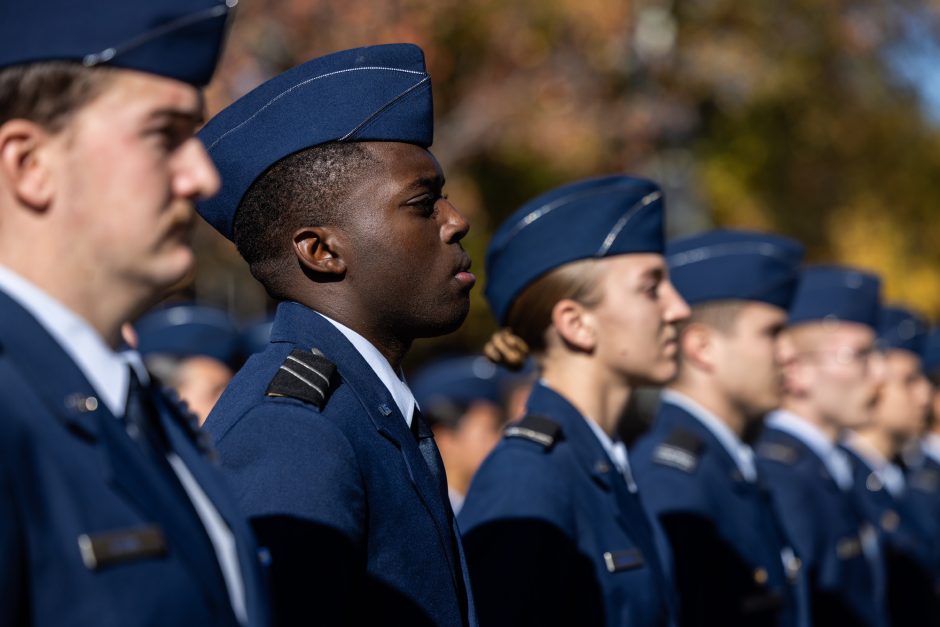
518, 530
296, 477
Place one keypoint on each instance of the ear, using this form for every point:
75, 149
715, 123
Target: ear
24, 163
575, 325
697, 344
318, 249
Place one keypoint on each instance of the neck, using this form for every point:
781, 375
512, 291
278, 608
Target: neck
456, 480
711, 398
392, 347
880, 441
104, 306
808, 413
597, 395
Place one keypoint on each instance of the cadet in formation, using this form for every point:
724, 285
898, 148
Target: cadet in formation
332, 197
110, 512
831, 381
733, 564
922, 471
554, 528
896, 420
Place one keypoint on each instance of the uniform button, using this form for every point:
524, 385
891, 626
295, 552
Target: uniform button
760, 576
890, 520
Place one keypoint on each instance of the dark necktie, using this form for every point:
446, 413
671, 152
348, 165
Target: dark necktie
432, 457
142, 421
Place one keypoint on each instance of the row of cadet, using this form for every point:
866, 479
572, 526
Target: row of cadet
322, 497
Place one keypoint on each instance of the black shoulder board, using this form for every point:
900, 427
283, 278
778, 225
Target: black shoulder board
680, 450
778, 452
306, 376
538, 429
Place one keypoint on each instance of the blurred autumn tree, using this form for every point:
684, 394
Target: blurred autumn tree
789, 116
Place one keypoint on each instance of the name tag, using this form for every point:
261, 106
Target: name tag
618, 561
107, 548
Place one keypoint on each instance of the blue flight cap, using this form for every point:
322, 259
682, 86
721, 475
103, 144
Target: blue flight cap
179, 39
932, 351
837, 293
902, 329
458, 382
735, 265
379, 93
588, 219
187, 331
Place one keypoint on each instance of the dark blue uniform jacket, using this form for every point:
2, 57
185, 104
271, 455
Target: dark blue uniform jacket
336, 488
732, 563
554, 536
68, 470
827, 531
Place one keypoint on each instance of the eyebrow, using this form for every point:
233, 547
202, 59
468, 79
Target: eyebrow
656, 274
194, 116
433, 182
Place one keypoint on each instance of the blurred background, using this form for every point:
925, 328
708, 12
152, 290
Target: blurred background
819, 119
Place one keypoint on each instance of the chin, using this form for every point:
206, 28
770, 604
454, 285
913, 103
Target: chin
447, 322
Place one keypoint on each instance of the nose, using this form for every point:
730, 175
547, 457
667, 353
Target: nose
877, 368
784, 351
455, 227
194, 175
676, 309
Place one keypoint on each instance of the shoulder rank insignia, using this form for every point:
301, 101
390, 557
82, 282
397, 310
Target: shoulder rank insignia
538, 429
925, 480
306, 376
679, 450
777, 452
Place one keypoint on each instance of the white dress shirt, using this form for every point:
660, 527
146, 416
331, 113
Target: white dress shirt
835, 460
394, 382
107, 372
741, 453
931, 446
616, 451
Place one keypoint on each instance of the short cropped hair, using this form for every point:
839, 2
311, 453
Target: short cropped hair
306, 188
49, 93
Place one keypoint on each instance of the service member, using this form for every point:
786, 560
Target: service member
110, 513
732, 563
554, 528
332, 197
897, 419
831, 380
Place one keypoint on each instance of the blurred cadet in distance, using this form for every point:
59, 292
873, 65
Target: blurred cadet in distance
193, 349
732, 563
831, 379
464, 401
897, 418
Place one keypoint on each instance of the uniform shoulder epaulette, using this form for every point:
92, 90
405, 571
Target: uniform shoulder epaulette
925, 480
304, 375
538, 429
778, 452
681, 450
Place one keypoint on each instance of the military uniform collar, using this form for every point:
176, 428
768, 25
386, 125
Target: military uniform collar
813, 438
888, 474
393, 381
105, 369
740, 452
931, 446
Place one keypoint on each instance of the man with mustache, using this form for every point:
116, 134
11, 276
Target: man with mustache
830, 384
332, 197
732, 564
110, 512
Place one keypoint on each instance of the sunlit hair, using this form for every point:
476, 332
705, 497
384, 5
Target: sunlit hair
530, 316
49, 93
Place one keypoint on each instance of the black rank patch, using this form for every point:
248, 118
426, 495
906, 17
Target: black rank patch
538, 429
776, 452
304, 375
681, 450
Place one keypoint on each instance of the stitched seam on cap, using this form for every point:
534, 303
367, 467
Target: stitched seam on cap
702, 253
535, 214
643, 203
302, 84
388, 105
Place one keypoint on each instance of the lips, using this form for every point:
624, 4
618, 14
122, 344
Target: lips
462, 271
